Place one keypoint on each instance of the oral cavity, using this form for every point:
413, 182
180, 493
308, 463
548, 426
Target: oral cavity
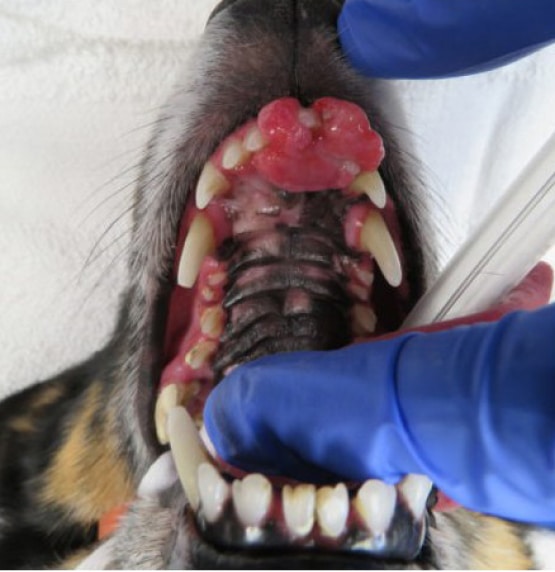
289, 241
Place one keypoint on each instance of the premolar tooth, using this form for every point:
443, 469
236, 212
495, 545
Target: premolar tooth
187, 450
171, 396
298, 508
309, 118
213, 490
415, 490
211, 183
235, 155
375, 238
252, 497
332, 509
375, 503
365, 319
200, 242
254, 140
371, 184
200, 354
212, 321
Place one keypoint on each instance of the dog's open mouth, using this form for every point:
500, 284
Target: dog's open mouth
290, 242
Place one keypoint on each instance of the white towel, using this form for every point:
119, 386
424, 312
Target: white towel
80, 82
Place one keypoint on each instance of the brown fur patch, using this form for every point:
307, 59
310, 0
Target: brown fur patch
499, 547
89, 475
47, 395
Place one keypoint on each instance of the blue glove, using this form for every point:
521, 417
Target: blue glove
441, 38
473, 408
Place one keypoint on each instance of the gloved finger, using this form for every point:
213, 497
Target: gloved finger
435, 38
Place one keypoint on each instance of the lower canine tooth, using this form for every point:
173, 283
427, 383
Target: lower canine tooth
211, 183
200, 242
415, 489
187, 452
371, 184
298, 508
376, 239
214, 492
171, 396
375, 503
252, 497
332, 509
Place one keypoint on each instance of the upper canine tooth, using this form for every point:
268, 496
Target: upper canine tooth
252, 497
371, 184
171, 396
298, 508
332, 509
187, 450
415, 490
200, 242
211, 183
235, 155
375, 503
375, 238
254, 140
214, 491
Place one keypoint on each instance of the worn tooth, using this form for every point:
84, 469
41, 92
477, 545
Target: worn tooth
375, 503
212, 321
298, 508
376, 238
371, 184
213, 491
415, 489
252, 497
365, 319
200, 354
332, 509
171, 396
187, 450
235, 155
254, 140
211, 183
200, 242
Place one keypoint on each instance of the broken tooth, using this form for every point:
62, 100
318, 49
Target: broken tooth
298, 508
171, 396
213, 491
187, 450
332, 509
376, 239
212, 322
200, 242
365, 319
415, 489
211, 183
235, 155
371, 184
252, 497
375, 503
254, 140
200, 354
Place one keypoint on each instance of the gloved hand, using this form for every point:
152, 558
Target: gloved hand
440, 38
471, 407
